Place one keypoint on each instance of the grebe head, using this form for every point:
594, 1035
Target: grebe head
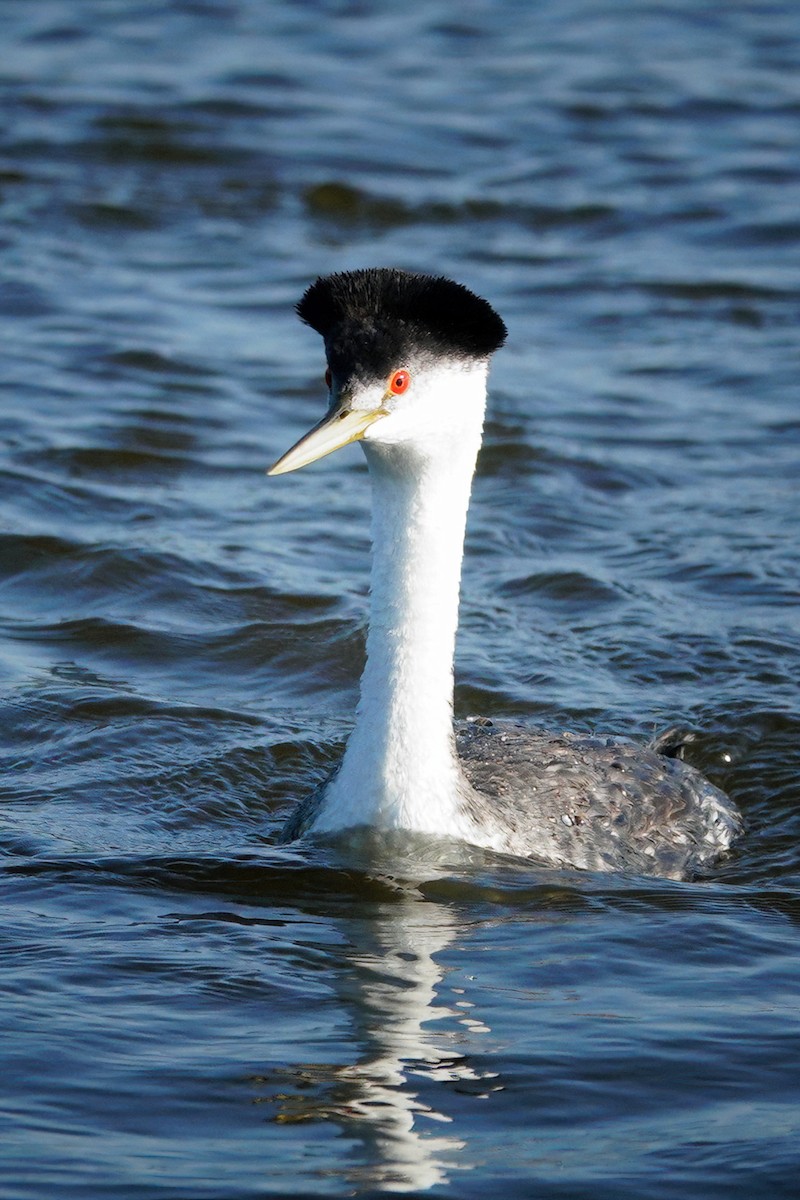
401, 351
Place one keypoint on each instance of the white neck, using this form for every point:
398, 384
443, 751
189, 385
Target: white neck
400, 769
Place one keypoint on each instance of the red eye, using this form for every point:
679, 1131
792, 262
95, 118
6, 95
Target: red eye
328, 378
399, 382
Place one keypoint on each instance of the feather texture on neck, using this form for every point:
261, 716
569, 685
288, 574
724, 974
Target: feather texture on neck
400, 769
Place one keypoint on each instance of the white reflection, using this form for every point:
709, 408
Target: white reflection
391, 985
397, 977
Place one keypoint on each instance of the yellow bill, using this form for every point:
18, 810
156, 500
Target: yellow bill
337, 429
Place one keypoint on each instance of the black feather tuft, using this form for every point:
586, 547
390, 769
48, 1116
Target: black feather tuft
372, 320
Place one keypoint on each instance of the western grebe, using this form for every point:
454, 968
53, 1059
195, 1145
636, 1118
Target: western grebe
408, 359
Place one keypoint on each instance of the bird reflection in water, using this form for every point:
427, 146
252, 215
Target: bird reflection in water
391, 985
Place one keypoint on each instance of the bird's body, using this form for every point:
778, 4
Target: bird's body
408, 359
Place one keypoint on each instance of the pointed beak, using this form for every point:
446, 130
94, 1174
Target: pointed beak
341, 426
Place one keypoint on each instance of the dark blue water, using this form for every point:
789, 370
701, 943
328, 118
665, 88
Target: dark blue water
189, 1011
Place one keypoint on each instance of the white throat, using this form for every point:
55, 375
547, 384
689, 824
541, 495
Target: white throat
400, 769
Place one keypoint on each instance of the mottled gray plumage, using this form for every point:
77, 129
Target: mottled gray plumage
597, 803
